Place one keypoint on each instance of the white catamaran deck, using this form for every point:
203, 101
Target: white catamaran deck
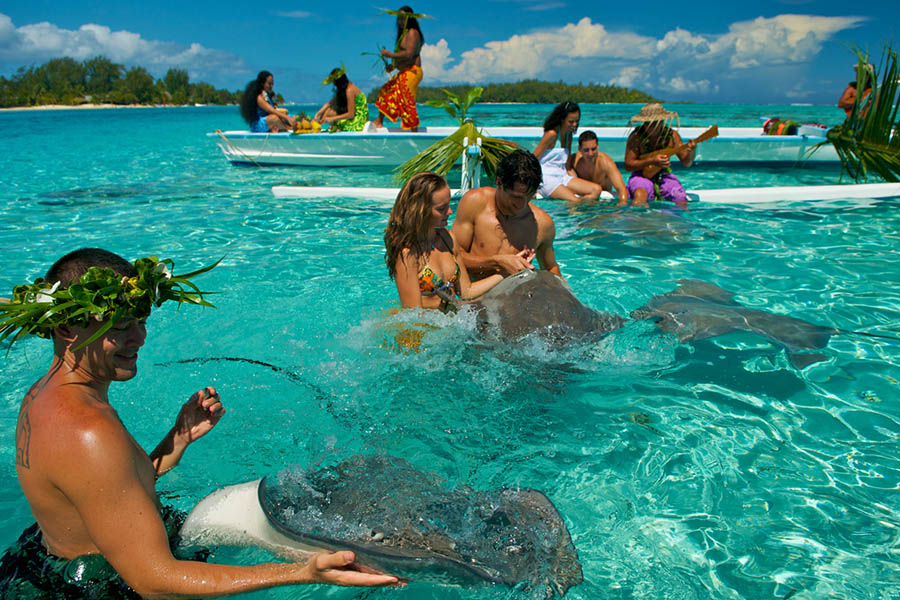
393, 147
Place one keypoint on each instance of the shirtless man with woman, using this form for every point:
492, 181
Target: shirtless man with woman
500, 230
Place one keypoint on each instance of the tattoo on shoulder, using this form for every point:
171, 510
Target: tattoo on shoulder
23, 427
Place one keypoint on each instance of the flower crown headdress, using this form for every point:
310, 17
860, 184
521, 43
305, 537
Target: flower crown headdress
101, 294
332, 77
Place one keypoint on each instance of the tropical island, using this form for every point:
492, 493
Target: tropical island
532, 91
99, 81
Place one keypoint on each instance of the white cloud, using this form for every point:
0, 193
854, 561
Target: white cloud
680, 62
778, 40
39, 42
294, 14
533, 54
680, 85
629, 77
545, 6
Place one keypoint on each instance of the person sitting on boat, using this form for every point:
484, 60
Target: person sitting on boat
652, 177
348, 110
500, 230
556, 161
259, 109
397, 98
592, 165
421, 254
101, 530
848, 98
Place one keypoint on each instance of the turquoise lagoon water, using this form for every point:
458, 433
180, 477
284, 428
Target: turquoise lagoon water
712, 469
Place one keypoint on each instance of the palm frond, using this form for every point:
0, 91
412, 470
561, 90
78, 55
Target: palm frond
869, 139
442, 155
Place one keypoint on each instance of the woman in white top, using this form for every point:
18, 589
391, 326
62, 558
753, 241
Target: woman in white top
556, 161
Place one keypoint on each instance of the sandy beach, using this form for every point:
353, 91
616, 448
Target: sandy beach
80, 106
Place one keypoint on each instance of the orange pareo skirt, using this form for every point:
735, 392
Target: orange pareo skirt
397, 99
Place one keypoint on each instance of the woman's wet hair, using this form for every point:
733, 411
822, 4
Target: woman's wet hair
251, 92
411, 23
520, 166
559, 114
409, 223
69, 269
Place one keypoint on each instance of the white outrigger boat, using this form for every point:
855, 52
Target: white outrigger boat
750, 196
754, 196
392, 147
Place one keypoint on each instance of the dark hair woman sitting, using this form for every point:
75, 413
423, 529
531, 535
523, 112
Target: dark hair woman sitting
348, 110
259, 109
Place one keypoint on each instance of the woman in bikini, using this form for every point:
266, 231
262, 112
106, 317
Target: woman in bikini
420, 252
556, 161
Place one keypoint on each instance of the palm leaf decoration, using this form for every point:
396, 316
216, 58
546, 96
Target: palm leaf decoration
869, 139
442, 155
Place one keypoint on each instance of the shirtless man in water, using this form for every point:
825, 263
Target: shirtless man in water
89, 484
500, 230
596, 166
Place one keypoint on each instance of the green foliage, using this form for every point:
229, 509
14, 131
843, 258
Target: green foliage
442, 155
869, 139
455, 107
543, 92
100, 75
99, 80
176, 83
137, 86
101, 294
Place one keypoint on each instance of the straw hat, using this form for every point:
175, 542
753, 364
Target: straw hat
653, 112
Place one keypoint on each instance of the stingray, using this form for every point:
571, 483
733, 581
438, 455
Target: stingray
398, 520
697, 310
657, 228
539, 302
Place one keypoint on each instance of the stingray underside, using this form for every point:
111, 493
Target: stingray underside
400, 520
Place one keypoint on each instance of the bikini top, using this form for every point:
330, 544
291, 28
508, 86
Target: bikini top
431, 284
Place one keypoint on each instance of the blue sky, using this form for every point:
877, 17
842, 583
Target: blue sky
771, 51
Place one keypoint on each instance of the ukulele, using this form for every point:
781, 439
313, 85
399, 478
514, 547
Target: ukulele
650, 171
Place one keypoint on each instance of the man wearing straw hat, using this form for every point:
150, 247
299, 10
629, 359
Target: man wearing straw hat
651, 174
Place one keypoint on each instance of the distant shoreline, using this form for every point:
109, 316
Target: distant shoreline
102, 106
80, 106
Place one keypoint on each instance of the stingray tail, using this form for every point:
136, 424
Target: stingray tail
879, 336
318, 392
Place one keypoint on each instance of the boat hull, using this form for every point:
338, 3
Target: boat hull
394, 147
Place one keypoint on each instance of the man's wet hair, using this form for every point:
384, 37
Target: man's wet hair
586, 136
69, 269
520, 166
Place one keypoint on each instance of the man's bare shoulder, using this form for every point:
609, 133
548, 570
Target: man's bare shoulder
544, 221
477, 198
540, 215
73, 419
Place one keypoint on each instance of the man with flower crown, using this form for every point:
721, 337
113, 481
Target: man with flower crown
101, 530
